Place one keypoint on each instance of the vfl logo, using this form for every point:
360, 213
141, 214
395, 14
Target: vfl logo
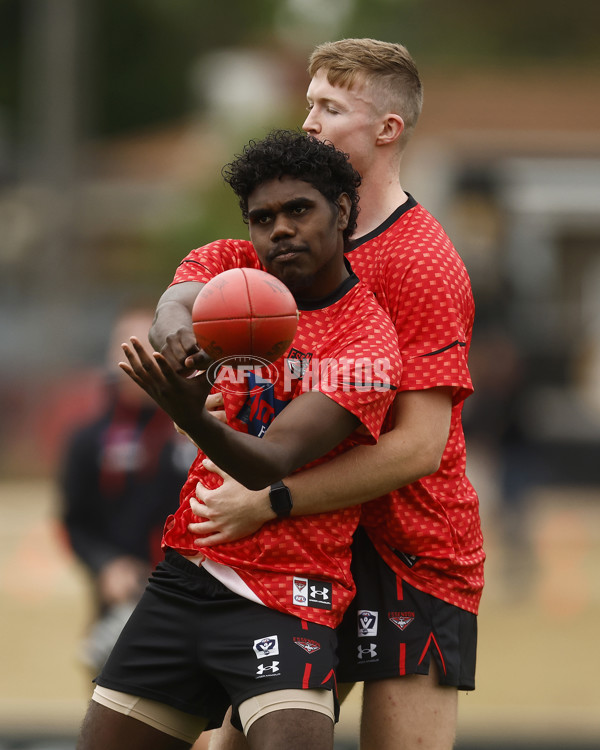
298, 362
268, 646
401, 619
267, 670
309, 646
369, 651
367, 623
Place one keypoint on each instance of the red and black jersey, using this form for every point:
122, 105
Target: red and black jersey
429, 532
346, 347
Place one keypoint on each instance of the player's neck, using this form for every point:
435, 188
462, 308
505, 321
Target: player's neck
379, 198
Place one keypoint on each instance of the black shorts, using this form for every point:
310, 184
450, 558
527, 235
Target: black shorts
193, 644
393, 629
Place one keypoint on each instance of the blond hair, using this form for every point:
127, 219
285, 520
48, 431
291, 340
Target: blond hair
385, 68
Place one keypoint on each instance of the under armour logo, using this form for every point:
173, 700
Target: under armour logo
271, 668
316, 593
310, 593
369, 651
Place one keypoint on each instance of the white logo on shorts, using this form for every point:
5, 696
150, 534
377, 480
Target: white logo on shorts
267, 670
369, 651
268, 646
367, 623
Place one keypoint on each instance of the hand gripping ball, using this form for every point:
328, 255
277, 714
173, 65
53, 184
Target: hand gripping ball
245, 312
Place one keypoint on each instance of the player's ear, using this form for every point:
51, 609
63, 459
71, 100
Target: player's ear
391, 128
344, 205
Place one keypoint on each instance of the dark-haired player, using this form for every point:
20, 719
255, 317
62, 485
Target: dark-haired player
252, 623
419, 574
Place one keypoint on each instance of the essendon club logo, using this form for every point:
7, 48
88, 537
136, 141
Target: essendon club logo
401, 619
298, 362
309, 646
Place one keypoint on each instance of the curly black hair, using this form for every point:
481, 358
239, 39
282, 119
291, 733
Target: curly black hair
288, 153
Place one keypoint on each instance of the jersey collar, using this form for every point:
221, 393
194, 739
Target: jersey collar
402, 209
335, 296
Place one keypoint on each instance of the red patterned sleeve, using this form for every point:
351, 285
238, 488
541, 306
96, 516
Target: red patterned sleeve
363, 372
433, 308
205, 262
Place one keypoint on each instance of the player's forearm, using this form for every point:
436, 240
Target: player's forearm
173, 313
171, 316
362, 474
250, 460
411, 451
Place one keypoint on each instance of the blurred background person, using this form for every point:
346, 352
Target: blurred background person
120, 477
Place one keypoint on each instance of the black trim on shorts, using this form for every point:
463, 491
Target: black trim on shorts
392, 629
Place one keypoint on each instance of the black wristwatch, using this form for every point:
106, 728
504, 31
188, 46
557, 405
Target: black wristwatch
281, 499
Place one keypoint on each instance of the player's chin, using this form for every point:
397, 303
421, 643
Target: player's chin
293, 275
298, 284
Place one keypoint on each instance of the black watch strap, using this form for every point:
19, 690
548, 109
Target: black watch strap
281, 499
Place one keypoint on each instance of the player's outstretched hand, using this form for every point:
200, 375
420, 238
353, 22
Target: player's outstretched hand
180, 396
228, 512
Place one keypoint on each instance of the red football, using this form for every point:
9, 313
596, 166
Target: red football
245, 312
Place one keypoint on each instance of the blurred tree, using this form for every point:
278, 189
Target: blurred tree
207, 213
9, 66
465, 32
142, 50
